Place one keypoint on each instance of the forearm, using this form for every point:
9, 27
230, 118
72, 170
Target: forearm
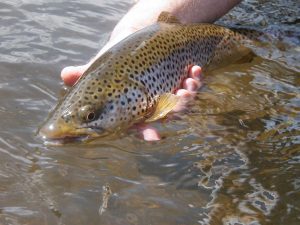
146, 12
204, 11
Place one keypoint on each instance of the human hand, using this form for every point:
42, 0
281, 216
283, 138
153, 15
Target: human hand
188, 90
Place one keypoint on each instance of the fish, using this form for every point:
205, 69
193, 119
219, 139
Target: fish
135, 80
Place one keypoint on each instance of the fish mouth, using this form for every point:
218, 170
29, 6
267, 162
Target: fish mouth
62, 135
66, 140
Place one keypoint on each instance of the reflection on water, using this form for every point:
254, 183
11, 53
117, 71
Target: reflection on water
233, 158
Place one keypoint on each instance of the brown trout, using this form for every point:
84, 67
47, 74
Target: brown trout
135, 80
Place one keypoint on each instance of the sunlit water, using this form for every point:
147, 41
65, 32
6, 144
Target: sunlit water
232, 158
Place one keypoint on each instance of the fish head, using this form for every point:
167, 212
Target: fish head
94, 109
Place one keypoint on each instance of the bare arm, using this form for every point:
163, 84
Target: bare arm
146, 12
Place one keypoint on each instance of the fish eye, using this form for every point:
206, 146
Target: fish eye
90, 116
87, 113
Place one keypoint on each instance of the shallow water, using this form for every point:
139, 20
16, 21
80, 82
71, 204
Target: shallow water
233, 158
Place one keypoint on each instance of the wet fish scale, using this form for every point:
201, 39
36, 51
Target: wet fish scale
123, 86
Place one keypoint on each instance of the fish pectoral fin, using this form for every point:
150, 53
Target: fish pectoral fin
166, 103
167, 17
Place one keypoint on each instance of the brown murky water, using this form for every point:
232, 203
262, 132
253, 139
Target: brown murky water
233, 158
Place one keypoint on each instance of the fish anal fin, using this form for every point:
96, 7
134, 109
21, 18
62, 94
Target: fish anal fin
166, 17
166, 103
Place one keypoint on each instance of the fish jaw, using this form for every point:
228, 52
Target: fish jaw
60, 131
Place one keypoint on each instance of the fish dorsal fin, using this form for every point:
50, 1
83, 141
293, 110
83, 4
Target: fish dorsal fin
166, 17
166, 103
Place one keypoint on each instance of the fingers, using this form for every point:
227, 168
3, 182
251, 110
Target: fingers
189, 88
71, 74
191, 84
148, 133
195, 72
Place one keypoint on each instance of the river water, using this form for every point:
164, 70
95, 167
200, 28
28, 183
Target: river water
232, 158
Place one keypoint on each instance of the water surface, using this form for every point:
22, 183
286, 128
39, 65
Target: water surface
232, 158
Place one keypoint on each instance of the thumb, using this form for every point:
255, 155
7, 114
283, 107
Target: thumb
71, 74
